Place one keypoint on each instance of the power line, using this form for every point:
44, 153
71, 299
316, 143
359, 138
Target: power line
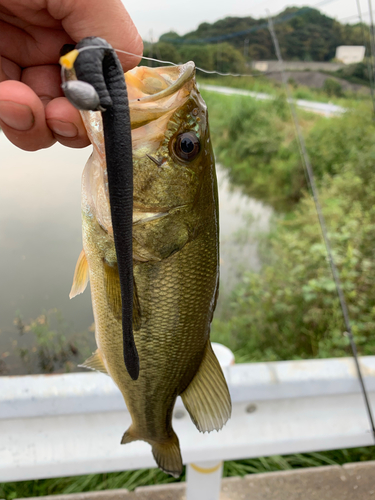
311, 178
323, 2
354, 16
262, 26
303, 10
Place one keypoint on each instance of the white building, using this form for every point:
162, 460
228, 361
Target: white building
350, 54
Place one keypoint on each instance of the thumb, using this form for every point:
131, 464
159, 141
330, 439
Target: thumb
109, 20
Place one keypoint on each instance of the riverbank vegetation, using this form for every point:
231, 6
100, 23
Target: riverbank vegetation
290, 310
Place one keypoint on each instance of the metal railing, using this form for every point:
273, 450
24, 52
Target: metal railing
62, 425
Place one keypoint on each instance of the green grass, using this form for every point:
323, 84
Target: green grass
132, 479
79, 484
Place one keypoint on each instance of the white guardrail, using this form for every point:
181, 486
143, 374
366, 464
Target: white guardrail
62, 425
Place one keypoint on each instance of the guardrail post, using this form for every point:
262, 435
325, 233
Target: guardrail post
204, 480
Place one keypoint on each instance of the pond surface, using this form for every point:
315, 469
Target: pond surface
40, 240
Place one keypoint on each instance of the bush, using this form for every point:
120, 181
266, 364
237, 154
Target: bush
221, 57
202, 55
333, 88
255, 141
290, 309
161, 50
355, 73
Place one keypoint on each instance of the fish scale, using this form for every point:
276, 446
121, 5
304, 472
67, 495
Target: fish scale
176, 266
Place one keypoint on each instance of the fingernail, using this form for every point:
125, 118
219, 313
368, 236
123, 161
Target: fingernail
17, 116
65, 129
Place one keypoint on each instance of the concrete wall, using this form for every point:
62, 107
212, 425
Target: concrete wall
267, 66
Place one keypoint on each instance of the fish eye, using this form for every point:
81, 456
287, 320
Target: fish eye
187, 146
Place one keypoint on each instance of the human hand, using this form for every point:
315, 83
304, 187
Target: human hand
33, 112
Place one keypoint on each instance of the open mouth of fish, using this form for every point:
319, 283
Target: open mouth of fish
153, 92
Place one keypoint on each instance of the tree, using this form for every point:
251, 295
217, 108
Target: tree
304, 34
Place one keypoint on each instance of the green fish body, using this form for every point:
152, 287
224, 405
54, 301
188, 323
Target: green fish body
175, 258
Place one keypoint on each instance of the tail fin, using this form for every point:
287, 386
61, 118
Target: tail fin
168, 456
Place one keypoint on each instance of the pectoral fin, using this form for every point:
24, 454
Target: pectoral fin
207, 397
137, 320
81, 276
113, 290
95, 362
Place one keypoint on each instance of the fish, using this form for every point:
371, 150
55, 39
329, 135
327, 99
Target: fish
175, 235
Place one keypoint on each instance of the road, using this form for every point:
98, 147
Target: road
321, 108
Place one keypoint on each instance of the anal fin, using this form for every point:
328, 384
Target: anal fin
207, 397
81, 276
95, 362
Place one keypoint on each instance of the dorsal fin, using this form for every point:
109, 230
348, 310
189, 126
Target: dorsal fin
81, 276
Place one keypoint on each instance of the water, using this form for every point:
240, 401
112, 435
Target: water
40, 241
242, 221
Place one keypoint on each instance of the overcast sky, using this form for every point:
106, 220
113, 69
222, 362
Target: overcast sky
155, 17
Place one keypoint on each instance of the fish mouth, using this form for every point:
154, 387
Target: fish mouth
174, 77
153, 92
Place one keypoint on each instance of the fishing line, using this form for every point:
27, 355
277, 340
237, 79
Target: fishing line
208, 72
213, 72
308, 168
174, 64
370, 66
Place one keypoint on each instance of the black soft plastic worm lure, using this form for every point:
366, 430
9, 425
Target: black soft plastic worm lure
105, 90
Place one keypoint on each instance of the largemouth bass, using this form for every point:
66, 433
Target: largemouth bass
175, 259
